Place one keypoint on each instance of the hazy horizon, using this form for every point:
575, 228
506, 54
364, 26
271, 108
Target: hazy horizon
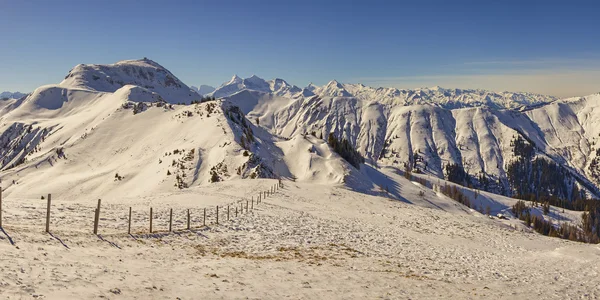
539, 47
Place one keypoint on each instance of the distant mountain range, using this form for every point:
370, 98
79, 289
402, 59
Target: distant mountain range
472, 135
446, 98
203, 89
11, 95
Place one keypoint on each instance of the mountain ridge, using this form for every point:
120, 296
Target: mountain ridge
446, 97
466, 136
12, 95
430, 130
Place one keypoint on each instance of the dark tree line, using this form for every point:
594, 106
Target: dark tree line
590, 220
345, 150
204, 99
541, 180
456, 173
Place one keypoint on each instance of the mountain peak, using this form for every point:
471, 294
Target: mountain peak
334, 89
144, 62
143, 73
235, 78
334, 83
254, 79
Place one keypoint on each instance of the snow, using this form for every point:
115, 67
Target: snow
307, 241
144, 73
276, 87
470, 128
333, 232
203, 89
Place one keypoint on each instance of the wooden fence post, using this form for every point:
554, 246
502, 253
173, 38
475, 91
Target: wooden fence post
150, 219
217, 215
97, 218
246, 205
48, 213
204, 222
171, 220
252, 202
258, 197
227, 212
241, 207
129, 225
188, 219
236, 211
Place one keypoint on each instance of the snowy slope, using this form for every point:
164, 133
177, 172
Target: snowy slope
307, 241
144, 73
113, 151
474, 129
95, 139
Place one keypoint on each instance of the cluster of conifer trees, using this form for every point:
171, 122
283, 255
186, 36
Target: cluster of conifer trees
345, 150
204, 99
589, 233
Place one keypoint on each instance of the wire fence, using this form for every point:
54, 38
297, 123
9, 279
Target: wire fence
115, 218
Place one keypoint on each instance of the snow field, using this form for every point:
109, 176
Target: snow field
307, 241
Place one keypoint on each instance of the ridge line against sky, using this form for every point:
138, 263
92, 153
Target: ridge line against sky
546, 47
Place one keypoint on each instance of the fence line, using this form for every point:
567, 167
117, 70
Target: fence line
97, 212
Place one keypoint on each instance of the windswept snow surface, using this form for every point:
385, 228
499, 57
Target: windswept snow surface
307, 241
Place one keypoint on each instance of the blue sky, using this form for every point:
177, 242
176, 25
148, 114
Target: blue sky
539, 46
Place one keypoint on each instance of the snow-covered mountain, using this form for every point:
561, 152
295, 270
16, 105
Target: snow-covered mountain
11, 95
144, 73
116, 133
203, 89
277, 87
446, 98
100, 132
432, 130
94, 120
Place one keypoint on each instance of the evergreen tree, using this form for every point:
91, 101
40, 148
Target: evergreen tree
345, 150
